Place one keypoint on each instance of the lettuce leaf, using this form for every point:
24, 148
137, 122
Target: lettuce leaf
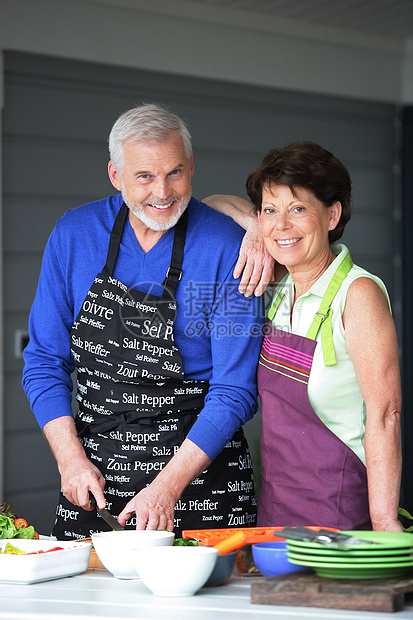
8, 529
25, 532
7, 510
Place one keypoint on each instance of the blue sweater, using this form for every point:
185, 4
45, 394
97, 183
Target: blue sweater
217, 331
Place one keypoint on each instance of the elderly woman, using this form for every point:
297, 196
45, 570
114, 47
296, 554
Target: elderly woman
328, 373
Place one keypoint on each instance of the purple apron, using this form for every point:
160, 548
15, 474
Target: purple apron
309, 477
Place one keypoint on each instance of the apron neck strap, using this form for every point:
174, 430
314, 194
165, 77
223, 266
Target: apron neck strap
115, 238
174, 272
322, 318
274, 306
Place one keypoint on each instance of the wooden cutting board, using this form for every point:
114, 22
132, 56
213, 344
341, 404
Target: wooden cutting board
306, 589
94, 561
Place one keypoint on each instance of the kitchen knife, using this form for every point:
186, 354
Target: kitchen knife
105, 514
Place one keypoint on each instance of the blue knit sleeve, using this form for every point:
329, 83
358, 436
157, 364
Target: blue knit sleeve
222, 326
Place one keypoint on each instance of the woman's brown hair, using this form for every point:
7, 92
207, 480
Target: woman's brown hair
307, 165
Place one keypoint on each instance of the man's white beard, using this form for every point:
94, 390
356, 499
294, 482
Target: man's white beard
153, 224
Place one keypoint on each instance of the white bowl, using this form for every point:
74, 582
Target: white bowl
175, 571
116, 549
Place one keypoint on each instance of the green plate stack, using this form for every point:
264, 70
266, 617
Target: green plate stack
391, 555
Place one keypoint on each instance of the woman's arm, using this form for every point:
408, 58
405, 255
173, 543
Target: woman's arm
240, 210
371, 342
254, 263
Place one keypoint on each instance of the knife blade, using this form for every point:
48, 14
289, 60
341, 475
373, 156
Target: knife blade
105, 514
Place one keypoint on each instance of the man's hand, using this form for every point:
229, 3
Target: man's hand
77, 478
154, 508
155, 504
255, 263
78, 474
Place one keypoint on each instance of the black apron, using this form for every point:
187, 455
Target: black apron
136, 407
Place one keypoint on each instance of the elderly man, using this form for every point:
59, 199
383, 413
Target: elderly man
136, 293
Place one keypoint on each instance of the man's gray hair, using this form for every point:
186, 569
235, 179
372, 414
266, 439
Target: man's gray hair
144, 123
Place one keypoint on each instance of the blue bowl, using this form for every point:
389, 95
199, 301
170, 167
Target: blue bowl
271, 558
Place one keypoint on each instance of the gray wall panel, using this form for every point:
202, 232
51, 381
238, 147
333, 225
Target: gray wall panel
372, 191
37, 470
39, 214
54, 167
15, 404
21, 272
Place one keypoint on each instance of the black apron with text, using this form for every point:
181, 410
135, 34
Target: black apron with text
136, 407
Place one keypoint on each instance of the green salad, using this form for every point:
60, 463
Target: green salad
185, 542
12, 527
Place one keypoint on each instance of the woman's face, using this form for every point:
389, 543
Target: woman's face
295, 227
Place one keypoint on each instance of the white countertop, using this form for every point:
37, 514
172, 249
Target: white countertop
96, 594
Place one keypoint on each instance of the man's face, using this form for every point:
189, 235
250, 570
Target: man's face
155, 181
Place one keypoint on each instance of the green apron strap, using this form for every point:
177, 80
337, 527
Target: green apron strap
322, 318
275, 305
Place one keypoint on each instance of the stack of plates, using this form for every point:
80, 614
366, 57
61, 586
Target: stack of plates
390, 556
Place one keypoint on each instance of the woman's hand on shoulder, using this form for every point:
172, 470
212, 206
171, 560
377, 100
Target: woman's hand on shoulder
255, 265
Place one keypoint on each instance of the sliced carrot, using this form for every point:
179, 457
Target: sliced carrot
230, 544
